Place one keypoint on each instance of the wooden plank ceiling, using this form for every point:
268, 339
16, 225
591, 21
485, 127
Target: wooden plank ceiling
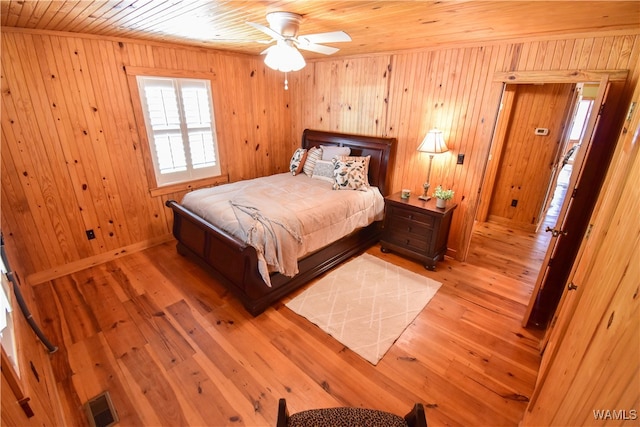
374, 26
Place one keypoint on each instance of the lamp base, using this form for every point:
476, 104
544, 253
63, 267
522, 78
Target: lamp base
425, 195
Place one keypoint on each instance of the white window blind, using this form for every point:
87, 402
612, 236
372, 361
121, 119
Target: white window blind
181, 129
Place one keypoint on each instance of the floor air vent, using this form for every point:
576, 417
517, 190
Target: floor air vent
100, 411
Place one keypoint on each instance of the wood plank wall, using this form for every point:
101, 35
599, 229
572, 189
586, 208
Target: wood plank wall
34, 385
405, 94
71, 153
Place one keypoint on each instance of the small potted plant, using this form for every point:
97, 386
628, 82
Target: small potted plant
442, 196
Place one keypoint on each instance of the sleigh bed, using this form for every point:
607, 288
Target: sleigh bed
235, 263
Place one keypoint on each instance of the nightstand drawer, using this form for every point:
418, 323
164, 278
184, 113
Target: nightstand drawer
414, 242
402, 225
410, 215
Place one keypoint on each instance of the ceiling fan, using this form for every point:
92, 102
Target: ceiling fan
283, 29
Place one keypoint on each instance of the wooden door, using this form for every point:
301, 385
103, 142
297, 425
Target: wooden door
532, 138
591, 166
595, 345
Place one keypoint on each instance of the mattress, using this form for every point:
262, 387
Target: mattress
285, 217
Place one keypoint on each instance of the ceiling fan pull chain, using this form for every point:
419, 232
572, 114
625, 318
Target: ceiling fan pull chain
286, 82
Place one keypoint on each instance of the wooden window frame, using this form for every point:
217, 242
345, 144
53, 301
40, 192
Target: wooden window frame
154, 188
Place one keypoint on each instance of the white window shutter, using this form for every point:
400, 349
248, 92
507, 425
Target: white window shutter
180, 126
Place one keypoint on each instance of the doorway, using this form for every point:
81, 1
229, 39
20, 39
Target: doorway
533, 127
575, 212
531, 173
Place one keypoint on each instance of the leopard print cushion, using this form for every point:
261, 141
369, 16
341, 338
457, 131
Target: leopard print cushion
346, 417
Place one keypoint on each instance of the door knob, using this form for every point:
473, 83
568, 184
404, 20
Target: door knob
554, 232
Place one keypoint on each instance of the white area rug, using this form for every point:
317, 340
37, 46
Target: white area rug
366, 304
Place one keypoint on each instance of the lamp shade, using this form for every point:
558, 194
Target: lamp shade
433, 143
283, 57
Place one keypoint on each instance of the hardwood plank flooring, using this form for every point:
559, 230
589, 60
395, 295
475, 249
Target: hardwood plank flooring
499, 247
173, 348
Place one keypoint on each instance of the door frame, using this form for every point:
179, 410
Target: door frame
504, 112
496, 152
608, 129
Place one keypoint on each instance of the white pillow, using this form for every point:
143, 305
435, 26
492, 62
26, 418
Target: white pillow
331, 151
323, 170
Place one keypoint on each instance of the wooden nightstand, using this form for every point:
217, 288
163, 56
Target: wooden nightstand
416, 229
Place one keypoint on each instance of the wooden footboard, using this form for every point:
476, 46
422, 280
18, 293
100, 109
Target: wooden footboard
235, 263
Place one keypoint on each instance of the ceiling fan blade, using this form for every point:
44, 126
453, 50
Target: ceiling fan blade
267, 50
331, 37
318, 48
268, 31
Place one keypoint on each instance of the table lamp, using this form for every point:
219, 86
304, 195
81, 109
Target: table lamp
433, 143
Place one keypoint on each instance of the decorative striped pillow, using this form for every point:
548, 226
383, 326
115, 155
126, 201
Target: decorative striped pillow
313, 155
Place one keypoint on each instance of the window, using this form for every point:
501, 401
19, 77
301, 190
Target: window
179, 119
580, 119
7, 331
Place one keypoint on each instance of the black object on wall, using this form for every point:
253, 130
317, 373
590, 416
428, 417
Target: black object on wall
21, 302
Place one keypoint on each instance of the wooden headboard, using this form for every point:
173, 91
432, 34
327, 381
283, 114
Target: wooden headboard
381, 150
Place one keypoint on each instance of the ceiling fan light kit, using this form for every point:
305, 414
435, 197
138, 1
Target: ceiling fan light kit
284, 57
283, 29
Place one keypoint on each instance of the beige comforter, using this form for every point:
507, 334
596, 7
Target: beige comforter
285, 217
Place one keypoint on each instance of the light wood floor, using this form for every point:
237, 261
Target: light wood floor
173, 348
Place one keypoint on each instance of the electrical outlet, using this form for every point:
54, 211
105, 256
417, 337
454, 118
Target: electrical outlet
514, 203
91, 235
460, 159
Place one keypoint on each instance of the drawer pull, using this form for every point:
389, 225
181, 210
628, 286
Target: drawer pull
409, 228
410, 216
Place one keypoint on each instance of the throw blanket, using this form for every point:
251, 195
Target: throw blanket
273, 230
